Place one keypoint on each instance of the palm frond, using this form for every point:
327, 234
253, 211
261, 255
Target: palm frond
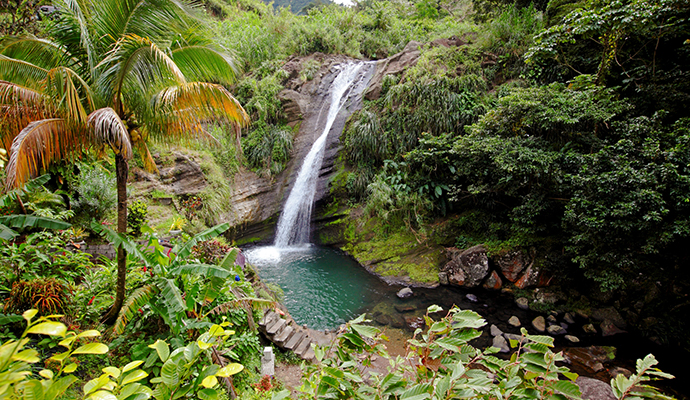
69, 98
139, 298
185, 250
181, 110
78, 14
42, 53
145, 154
19, 106
108, 128
22, 72
19, 221
37, 145
118, 239
201, 63
136, 64
205, 270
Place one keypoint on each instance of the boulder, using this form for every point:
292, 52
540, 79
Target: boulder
404, 308
569, 318
608, 328
590, 358
572, 339
556, 330
593, 389
413, 323
493, 282
512, 264
522, 303
404, 293
531, 277
467, 268
495, 331
443, 278
610, 314
539, 324
471, 297
589, 328
500, 343
514, 321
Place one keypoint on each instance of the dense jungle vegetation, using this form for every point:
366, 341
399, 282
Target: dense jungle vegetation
560, 126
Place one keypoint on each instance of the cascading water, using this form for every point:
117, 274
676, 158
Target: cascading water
294, 222
323, 287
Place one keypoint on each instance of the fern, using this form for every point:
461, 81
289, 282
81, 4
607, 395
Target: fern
131, 306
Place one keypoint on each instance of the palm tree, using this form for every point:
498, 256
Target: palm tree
113, 74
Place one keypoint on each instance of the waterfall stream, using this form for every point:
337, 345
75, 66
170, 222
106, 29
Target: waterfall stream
295, 220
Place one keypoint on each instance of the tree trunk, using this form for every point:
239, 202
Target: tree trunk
121, 173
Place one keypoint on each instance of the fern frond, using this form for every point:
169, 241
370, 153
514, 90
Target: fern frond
139, 298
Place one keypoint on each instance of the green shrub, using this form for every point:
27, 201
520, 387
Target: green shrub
137, 211
94, 193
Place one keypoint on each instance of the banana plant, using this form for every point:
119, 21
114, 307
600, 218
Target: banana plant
9, 223
177, 300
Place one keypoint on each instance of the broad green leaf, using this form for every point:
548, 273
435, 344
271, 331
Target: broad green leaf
283, 394
162, 349
567, 388
230, 369
364, 330
49, 328
28, 355
203, 345
432, 309
29, 314
70, 368
92, 348
134, 376
89, 333
112, 371
46, 373
169, 373
209, 382
102, 395
207, 394
95, 384
60, 386
132, 365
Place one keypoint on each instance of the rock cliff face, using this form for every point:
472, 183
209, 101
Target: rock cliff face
256, 199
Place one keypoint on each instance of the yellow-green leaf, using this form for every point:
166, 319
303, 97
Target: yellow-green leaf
112, 371
28, 314
89, 333
203, 345
131, 365
134, 376
67, 342
230, 369
70, 368
95, 384
46, 373
28, 355
92, 348
49, 328
60, 356
209, 381
102, 395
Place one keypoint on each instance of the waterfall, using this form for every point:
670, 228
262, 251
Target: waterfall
294, 222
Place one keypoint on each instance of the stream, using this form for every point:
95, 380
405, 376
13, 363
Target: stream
325, 287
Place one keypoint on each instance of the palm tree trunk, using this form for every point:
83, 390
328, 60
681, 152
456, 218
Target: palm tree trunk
121, 173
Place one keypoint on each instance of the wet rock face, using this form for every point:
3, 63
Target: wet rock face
393, 65
512, 264
467, 268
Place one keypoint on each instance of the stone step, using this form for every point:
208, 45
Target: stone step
275, 327
268, 318
281, 337
294, 340
309, 355
303, 347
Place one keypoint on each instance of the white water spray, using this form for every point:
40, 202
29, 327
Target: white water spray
293, 225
